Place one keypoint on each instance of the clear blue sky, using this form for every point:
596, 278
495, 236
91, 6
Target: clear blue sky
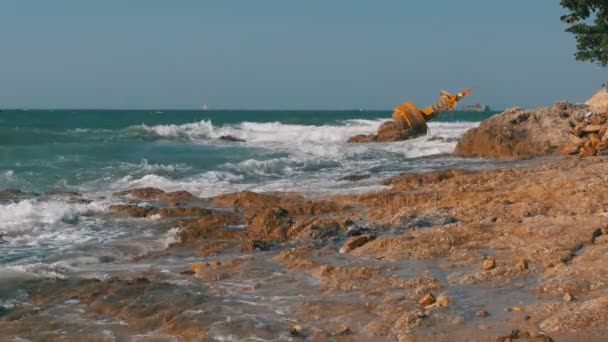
333, 54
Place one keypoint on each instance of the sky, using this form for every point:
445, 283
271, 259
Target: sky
286, 54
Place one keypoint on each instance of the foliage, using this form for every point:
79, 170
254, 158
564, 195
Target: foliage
588, 21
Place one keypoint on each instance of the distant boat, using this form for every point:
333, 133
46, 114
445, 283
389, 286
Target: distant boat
205, 107
476, 108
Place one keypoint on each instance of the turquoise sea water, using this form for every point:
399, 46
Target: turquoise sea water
87, 150
100, 152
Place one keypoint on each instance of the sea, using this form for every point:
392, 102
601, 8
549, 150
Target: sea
99, 152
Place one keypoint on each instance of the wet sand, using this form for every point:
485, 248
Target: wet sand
455, 255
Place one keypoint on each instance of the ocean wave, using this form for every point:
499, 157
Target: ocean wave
204, 185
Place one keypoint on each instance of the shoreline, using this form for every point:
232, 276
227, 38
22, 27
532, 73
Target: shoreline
541, 224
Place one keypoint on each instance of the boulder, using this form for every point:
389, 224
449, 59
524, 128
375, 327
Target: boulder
518, 133
387, 132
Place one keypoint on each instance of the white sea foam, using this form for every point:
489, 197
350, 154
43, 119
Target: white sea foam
317, 157
204, 185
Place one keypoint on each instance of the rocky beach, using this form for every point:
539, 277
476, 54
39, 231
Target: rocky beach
516, 251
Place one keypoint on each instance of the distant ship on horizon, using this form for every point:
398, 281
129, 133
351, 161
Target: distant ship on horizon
476, 108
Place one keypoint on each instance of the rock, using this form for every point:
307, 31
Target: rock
427, 300
443, 301
154, 194
231, 138
317, 228
269, 225
517, 309
387, 132
482, 313
245, 199
141, 193
489, 264
356, 242
129, 210
568, 297
592, 128
522, 265
208, 226
518, 133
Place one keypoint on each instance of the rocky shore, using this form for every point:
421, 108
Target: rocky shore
503, 254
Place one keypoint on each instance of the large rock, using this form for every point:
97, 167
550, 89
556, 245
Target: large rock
387, 132
519, 133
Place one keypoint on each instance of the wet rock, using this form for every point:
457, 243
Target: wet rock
354, 178
142, 193
182, 212
269, 225
129, 210
518, 133
231, 138
427, 300
155, 194
522, 265
245, 199
443, 301
208, 226
252, 245
387, 132
356, 242
489, 264
482, 314
317, 228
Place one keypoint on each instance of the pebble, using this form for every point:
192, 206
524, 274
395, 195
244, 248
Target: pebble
443, 301
427, 300
522, 265
568, 297
489, 264
517, 309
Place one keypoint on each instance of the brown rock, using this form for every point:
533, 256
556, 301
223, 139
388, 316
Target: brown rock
208, 226
129, 210
443, 301
269, 225
489, 264
356, 242
317, 228
183, 212
517, 309
592, 128
519, 133
245, 199
572, 147
522, 265
427, 300
387, 132
587, 151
